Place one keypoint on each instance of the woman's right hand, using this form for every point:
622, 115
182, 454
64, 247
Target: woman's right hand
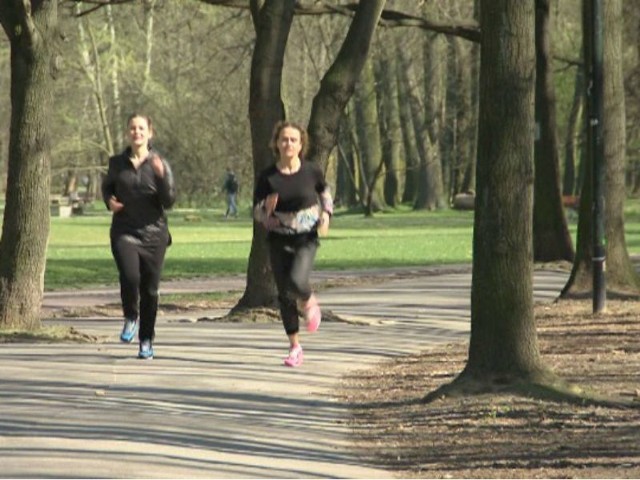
114, 205
270, 203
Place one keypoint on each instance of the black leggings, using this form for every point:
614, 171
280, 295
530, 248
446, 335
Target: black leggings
292, 260
140, 266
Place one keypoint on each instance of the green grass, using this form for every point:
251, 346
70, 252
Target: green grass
206, 245
79, 254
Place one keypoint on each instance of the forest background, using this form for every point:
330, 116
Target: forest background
418, 149
187, 65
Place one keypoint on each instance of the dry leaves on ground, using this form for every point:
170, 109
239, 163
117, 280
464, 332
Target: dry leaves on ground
507, 436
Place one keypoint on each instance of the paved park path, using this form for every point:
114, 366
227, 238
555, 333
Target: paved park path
216, 402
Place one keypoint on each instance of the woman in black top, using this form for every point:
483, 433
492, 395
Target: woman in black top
138, 188
293, 202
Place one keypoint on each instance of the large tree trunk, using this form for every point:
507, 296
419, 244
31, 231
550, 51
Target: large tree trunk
338, 84
25, 231
503, 347
620, 274
631, 35
551, 238
272, 22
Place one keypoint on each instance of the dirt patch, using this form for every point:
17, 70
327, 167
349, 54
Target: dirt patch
115, 310
48, 335
507, 436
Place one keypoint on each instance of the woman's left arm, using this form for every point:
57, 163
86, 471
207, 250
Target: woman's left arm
326, 204
164, 181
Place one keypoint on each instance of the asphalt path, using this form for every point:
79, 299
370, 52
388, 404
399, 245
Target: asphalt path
217, 402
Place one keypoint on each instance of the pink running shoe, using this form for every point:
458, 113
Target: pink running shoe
295, 357
312, 314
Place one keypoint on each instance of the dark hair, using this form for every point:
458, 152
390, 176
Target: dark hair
281, 125
139, 115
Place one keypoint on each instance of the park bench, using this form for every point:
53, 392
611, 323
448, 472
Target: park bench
63, 206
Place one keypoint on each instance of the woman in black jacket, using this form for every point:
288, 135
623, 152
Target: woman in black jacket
138, 188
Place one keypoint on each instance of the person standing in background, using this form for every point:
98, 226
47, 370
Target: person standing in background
292, 201
137, 189
231, 187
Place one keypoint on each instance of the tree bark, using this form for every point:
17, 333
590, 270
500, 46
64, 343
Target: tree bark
391, 133
272, 20
430, 186
346, 182
621, 274
32, 34
465, 127
621, 277
93, 70
412, 159
369, 142
570, 185
551, 238
503, 346
338, 84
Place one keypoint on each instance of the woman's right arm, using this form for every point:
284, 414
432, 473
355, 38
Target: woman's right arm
264, 203
109, 184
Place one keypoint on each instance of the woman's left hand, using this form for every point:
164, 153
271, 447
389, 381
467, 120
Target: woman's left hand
157, 165
323, 228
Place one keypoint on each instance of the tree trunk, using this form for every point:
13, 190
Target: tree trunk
116, 117
25, 231
272, 21
369, 142
93, 70
391, 130
469, 181
338, 84
503, 346
465, 136
551, 238
430, 187
346, 183
574, 129
149, 10
620, 274
412, 156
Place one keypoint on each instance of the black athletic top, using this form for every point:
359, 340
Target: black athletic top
145, 197
302, 197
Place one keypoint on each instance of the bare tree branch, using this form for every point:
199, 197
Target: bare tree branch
468, 30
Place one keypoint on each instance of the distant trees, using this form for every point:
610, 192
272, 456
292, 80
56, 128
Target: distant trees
408, 135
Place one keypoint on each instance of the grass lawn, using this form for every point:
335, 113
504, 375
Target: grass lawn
205, 244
